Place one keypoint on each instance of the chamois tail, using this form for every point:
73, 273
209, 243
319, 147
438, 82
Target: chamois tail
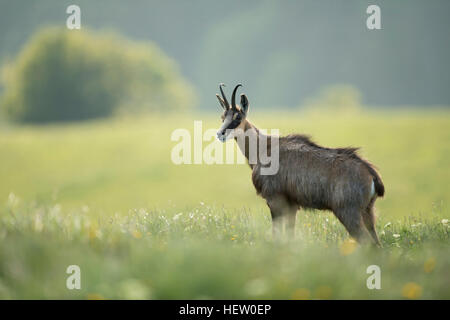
379, 186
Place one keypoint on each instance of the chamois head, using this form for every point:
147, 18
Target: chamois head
233, 115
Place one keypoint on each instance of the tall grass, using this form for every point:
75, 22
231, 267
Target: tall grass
209, 252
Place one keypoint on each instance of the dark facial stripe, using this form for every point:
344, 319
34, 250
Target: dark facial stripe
234, 124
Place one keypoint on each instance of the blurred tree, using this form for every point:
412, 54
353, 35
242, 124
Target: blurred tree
63, 75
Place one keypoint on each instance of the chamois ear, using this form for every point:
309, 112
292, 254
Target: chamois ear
244, 104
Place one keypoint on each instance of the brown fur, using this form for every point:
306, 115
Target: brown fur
314, 177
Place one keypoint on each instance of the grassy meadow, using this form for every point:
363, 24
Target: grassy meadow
106, 196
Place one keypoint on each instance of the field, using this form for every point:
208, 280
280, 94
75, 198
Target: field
106, 196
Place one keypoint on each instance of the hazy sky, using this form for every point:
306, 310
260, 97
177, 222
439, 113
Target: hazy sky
282, 51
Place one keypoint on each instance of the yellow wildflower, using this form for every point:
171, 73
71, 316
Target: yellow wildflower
347, 247
412, 290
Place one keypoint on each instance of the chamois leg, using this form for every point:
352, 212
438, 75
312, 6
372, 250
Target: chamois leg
278, 207
352, 221
369, 221
277, 223
290, 216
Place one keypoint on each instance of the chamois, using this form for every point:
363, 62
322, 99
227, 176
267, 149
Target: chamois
309, 176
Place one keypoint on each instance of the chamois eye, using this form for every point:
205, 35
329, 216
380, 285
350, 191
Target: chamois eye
236, 116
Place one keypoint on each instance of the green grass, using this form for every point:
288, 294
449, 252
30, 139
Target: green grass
105, 196
208, 252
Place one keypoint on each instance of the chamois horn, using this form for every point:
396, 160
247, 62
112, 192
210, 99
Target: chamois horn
233, 97
227, 105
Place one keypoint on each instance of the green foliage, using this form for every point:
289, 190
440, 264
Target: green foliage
63, 75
